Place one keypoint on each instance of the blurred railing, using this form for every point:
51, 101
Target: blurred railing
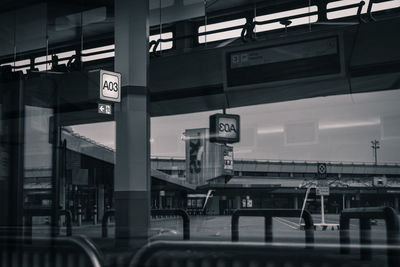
365, 215
246, 254
57, 252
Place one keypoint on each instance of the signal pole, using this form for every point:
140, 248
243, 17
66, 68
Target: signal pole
375, 146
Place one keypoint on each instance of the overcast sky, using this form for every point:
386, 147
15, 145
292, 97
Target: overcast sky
334, 128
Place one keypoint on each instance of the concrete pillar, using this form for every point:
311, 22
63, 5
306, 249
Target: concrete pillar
238, 202
296, 203
132, 168
343, 201
348, 203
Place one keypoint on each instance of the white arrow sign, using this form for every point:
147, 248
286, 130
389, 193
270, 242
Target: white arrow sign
104, 109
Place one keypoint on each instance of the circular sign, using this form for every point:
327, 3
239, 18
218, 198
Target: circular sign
322, 168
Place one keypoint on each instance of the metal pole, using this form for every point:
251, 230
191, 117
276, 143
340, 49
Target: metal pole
304, 205
375, 146
365, 239
322, 210
95, 214
79, 214
268, 229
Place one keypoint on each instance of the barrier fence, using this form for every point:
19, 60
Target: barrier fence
268, 214
365, 215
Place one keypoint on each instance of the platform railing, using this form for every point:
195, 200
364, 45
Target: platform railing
365, 215
268, 214
74, 251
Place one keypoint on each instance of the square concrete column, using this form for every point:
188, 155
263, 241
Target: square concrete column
132, 168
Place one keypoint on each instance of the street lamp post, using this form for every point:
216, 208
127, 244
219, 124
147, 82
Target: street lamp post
375, 146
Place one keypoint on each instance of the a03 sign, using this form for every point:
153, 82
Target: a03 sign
110, 86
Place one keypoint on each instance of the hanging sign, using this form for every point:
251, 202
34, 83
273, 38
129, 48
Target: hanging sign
224, 128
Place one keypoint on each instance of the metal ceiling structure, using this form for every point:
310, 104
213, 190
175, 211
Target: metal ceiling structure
191, 77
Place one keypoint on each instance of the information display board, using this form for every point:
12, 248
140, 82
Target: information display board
282, 63
110, 86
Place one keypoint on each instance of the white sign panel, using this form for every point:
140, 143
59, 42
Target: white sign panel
104, 109
323, 191
110, 86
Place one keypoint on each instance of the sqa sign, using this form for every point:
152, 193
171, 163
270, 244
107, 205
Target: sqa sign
110, 86
225, 128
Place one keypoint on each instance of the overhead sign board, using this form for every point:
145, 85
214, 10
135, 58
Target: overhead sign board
283, 62
110, 86
224, 128
104, 109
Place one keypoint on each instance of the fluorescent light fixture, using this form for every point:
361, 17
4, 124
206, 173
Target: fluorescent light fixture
295, 22
353, 11
272, 130
327, 126
324, 126
221, 35
162, 45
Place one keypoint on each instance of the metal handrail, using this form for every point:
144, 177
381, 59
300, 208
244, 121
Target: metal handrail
81, 243
176, 212
365, 215
268, 214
